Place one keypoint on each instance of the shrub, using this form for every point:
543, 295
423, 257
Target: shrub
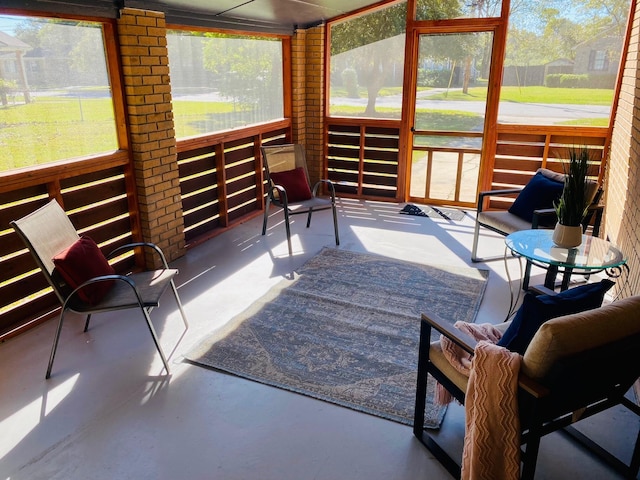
350, 82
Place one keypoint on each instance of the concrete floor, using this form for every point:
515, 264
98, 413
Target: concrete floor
109, 412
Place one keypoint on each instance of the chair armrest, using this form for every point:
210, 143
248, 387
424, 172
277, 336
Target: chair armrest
464, 341
329, 183
532, 387
540, 214
492, 193
131, 246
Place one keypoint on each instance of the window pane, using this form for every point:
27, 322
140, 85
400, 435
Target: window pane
220, 81
367, 64
430, 10
55, 97
562, 59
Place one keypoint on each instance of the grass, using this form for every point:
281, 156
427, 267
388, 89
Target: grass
59, 127
574, 96
55, 128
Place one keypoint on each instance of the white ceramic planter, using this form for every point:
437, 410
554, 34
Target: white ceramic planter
567, 236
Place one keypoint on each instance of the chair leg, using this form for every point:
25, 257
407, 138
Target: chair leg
266, 215
55, 343
335, 223
86, 324
155, 339
288, 229
309, 217
421, 383
474, 248
175, 294
530, 455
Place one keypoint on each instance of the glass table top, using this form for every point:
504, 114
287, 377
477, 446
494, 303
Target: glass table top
593, 254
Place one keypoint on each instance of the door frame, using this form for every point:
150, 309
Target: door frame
496, 25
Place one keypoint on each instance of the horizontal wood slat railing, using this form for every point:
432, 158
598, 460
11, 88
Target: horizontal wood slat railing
522, 149
94, 193
363, 157
222, 182
222, 179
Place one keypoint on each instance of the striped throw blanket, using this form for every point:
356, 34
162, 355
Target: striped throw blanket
492, 425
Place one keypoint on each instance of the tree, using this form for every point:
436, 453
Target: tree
249, 69
378, 38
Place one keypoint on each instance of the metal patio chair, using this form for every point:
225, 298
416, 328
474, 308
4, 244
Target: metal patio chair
49, 231
289, 187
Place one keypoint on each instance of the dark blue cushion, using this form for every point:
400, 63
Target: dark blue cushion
538, 194
535, 310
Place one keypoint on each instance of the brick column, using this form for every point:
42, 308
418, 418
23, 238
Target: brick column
308, 95
622, 195
143, 43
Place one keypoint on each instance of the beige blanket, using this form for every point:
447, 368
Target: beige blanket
458, 358
492, 425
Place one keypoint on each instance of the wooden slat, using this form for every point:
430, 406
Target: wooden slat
525, 165
520, 150
343, 152
19, 195
386, 155
200, 198
380, 167
202, 164
372, 192
100, 213
343, 164
335, 139
240, 169
372, 180
15, 291
25, 313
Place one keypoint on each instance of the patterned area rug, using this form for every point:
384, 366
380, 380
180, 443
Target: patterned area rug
346, 331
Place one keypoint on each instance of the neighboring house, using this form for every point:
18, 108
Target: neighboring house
12, 63
599, 55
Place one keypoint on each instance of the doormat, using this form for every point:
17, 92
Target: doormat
451, 214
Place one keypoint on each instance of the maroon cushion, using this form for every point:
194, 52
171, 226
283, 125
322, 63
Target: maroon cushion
80, 262
294, 183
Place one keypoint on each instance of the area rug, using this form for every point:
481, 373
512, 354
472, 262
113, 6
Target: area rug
345, 330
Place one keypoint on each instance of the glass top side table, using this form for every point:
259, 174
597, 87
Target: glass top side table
594, 255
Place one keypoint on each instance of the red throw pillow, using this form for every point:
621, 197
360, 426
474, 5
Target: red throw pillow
80, 262
294, 183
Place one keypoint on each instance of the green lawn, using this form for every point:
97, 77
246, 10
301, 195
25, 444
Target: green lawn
55, 128
59, 127
577, 96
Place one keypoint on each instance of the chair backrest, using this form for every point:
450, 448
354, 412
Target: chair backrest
46, 232
281, 158
588, 352
591, 188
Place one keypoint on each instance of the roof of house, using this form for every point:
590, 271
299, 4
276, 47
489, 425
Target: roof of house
11, 44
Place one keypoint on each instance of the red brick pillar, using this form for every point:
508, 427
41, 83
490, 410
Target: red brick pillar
308, 95
143, 44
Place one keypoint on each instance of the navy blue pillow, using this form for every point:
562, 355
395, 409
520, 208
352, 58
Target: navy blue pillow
539, 193
535, 310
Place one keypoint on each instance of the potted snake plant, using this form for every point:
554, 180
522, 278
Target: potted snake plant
572, 206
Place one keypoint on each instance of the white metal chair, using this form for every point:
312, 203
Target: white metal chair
49, 231
289, 187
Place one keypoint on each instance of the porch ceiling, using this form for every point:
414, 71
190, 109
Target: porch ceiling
276, 16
